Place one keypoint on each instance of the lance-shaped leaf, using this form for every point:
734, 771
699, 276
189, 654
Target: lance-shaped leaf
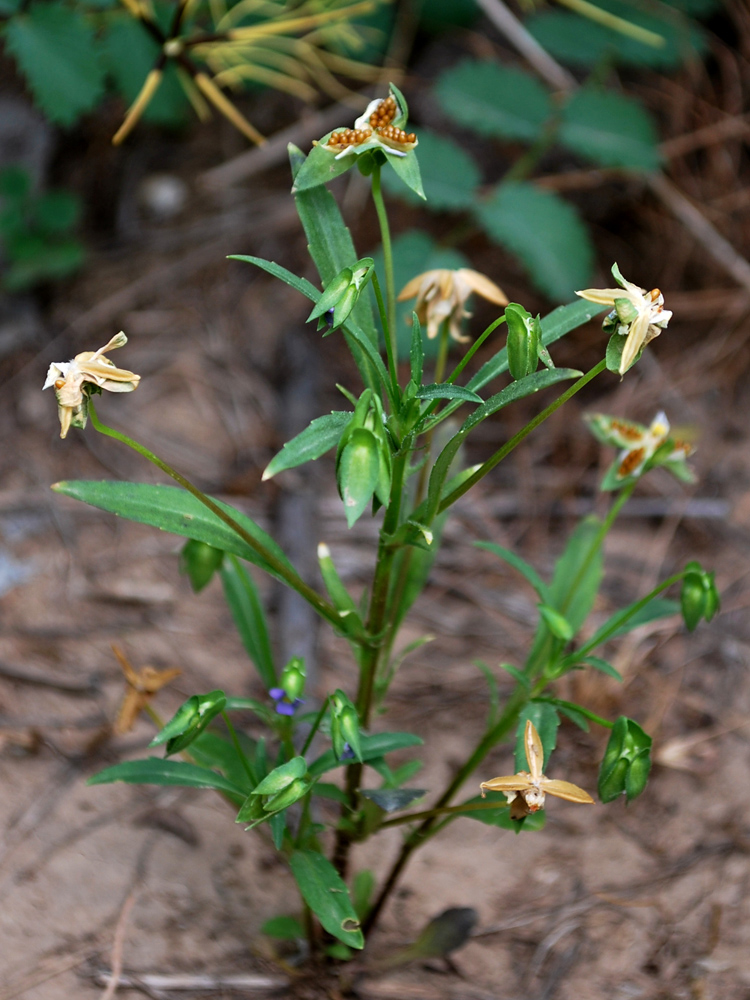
157, 771
189, 721
327, 896
249, 618
320, 436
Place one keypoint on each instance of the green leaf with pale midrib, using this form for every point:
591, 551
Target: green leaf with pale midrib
327, 896
157, 771
172, 509
320, 436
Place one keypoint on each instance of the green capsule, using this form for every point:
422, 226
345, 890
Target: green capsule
281, 777
199, 561
189, 721
289, 795
523, 341
612, 784
293, 678
636, 778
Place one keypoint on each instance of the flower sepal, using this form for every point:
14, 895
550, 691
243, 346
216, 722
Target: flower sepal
341, 295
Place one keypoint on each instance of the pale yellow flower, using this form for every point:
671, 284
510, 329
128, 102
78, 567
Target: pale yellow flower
69, 378
442, 294
639, 315
526, 790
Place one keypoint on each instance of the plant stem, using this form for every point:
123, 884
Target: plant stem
385, 237
474, 348
289, 576
314, 728
508, 447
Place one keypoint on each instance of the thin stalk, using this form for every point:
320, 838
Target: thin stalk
446, 810
385, 237
508, 447
474, 348
314, 728
235, 741
290, 577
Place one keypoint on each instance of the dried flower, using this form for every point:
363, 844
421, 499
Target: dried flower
142, 685
442, 294
641, 447
69, 380
526, 790
638, 315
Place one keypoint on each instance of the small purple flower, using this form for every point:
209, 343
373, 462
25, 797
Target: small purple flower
347, 753
284, 705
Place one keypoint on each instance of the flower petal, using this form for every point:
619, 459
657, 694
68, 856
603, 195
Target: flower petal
482, 285
565, 790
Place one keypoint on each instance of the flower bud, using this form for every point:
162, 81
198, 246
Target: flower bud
627, 761
281, 777
523, 341
293, 678
344, 725
189, 721
699, 597
199, 561
342, 294
293, 791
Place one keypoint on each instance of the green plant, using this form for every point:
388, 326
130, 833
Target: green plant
397, 457
36, 231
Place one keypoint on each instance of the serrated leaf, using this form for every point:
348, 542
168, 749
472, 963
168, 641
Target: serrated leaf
393, 799
544, 232
155, 771
249, 618
55, 48
327, 896
450, 176
494, 100
610, 129
175, 510
446, 390
320, 436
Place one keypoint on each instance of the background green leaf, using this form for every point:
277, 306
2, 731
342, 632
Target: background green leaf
55, 49
450, 176
611, 129
249, 618
494, 100
155, 771
544, 232
327, 896
546, 720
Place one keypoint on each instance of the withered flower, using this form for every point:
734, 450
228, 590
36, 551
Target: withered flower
141, 687
526, 790
442, 294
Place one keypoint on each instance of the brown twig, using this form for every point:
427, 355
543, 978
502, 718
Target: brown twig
117, 947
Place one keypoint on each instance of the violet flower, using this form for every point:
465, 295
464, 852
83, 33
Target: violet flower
284, 705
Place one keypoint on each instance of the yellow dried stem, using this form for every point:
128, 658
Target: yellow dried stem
139, 105
225, 106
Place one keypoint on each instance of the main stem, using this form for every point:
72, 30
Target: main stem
288, 575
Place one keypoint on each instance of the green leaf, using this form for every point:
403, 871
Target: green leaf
494, 100
450, 176
555, 325
544, 232
546, 720
416, 351
446, 390
219, 754
631, 617
393, 799
288, 277
364, 884
500, 817
610, 129
39, 260
129, 54
407, 169
606, 668
283, 929
574, 588
327, 896
157, 771
331, 248
249, 618
373, 747
175, 510
582, 43
321, 165
55, 49
524, 568
558, 625
322, 434
281, 777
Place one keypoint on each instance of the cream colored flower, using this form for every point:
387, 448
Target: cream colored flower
442, 294
69, 377
375, 129
526, 790
637, 314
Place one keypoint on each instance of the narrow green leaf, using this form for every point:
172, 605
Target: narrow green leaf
55, 49
373, 747
544, 232
283, 929
416, 351
606, 668
611, 129
524, 568
558, 625
321, 165
219, 754
631, 617
578, 574
288, 277
364, 884
393, 799
494, 100
155, 771
320, 436
446, 390
327, 896
172, 509
249, 618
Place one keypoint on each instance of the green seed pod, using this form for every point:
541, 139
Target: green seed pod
199, 561
626, 763
281, 777
637, 776
699, 597
289, 795
612, 785
358, 472
189, 721
293, 677
523, 341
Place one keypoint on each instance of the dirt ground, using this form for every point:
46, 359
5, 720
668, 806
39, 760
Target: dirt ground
650, 900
